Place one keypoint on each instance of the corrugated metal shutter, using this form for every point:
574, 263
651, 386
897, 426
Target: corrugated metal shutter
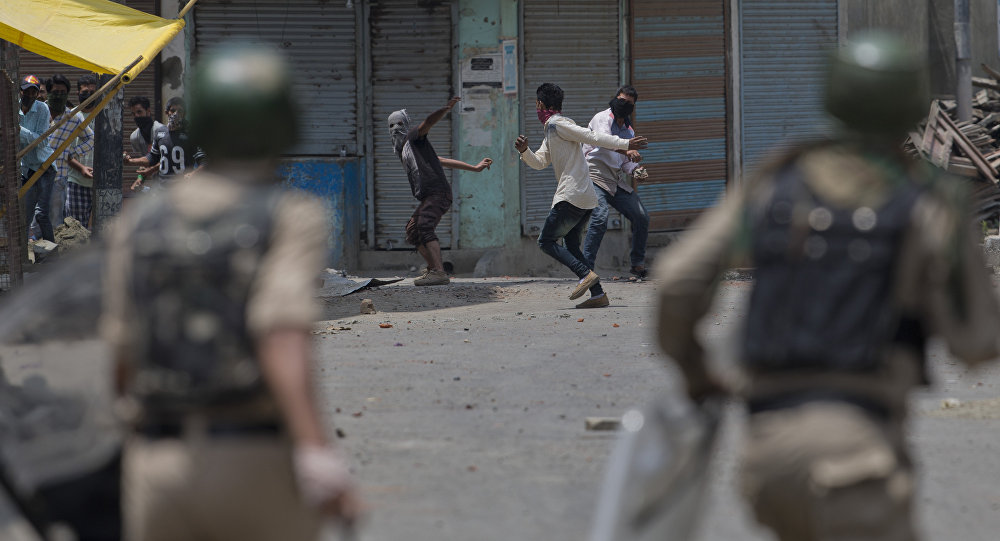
574, 45
318, 37
146, 84
784, 46
679, 70
411, 69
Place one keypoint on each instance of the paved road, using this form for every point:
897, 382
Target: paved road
465, 419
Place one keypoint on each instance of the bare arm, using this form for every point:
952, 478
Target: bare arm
485, 163
434, 117
284, 359
572, 132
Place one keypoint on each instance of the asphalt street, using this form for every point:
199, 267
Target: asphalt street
465, 418
462, 408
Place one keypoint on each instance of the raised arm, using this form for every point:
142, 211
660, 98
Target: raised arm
572, 132
485, 163
434, 117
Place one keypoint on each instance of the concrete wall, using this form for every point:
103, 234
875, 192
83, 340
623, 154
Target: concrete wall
930, 24
489, 202
176, 56
338, 183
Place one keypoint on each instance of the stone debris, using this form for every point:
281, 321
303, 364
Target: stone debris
367, 306
71, 235
602, 423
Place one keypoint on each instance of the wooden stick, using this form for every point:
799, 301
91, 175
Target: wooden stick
990, 71
186, 9
969, 149
65, 144
77, 109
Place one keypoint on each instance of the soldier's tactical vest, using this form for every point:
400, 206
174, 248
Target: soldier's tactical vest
190, 282
822, 299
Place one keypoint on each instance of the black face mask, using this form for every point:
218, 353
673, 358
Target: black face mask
622, 109
145, 124
57, 103
27, 102
84, 94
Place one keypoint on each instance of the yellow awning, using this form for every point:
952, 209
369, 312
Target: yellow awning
95, 35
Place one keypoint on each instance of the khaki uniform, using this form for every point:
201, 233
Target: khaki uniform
233, 486
830, 470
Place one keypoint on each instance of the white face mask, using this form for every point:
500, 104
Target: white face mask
399, 126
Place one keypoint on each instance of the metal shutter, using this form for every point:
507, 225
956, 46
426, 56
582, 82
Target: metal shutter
318, 38
679, 70
784, 48
411, 44
576, 46
146, 84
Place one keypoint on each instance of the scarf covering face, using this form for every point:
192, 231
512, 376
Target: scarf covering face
399, 127
622, 109
544, 116
145, 125
57, 103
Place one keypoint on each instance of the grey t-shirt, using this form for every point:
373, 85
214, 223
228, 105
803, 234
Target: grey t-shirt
423, 168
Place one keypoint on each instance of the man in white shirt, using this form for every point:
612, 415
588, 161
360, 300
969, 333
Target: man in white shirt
575, 197
612, 173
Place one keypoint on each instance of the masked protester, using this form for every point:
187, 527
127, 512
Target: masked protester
424, 170
213, 334
860, 253
575, 198
68, 197
171, 148
141, 138
613, 173
33, 117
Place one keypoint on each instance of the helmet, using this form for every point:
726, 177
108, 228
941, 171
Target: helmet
242, 105
878, 85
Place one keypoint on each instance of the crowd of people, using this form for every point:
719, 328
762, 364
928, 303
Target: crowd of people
65, 188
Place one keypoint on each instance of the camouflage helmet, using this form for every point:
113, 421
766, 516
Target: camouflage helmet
242, 105
877, 85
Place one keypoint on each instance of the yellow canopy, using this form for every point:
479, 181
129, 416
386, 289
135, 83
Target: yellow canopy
95, 35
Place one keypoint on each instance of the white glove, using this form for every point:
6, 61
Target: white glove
640, 174
322, 474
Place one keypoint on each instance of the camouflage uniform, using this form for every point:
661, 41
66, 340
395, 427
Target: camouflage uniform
832, 469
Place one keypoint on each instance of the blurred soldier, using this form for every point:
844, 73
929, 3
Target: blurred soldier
860, 255
209, 308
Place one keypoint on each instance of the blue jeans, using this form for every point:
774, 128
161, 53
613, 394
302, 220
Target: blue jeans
568, 223
631, 208
37, 201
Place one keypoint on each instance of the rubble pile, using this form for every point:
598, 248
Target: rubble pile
967, 149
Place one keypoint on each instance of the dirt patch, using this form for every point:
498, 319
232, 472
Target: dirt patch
973, 409
409, 298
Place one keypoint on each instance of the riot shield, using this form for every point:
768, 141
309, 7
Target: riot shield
56, 420
657, 475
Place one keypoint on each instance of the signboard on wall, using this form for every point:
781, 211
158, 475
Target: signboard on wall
509, 48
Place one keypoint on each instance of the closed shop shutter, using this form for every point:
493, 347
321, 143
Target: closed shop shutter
411, 45
784, 47
318, 38
576, 46
146, 84
679, 70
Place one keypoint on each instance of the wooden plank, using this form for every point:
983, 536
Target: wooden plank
928, 139
941, 154
968, 148
991, 72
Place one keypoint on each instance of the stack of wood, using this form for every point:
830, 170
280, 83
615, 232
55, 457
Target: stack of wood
968, 149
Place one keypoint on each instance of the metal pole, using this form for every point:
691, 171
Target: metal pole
963, 57
14, 238
108, 161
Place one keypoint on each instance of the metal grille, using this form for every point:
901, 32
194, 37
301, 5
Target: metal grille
574, 45
12, 233
679, 70
784, 53
318, 38
411, 45
146, 84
